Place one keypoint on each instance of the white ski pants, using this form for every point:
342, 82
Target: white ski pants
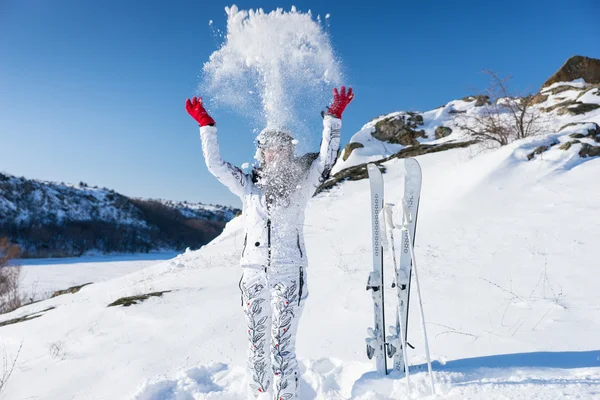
273, 302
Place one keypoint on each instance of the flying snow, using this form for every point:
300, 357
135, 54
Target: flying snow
278, 68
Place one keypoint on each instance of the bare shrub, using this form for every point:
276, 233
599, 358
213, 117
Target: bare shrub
57, 350
8, 251
7, 368
507, 117
10, 296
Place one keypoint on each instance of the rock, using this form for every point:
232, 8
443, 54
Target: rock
578, 108
576, 135
400, 129
577, 67
560, 89
25, 318
587, 150
354, 173
558, 105
442, 131
594, 90
567, 145
131, 300
594, 131
539, 98
358, 172
480, 100
416, 117
71, 290
350, 147
539, 150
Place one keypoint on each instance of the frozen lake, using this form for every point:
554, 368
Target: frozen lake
43, 276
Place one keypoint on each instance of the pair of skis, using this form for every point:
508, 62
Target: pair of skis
389, 219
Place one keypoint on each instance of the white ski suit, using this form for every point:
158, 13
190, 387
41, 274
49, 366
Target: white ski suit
273, 282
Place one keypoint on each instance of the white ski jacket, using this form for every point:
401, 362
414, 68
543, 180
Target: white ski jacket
273, 235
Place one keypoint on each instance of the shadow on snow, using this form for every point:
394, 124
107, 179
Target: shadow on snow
541, 359
471, 366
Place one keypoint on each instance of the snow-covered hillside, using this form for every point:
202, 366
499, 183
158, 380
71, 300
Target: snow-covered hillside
565, 108
27, 201
208, 212
506, 246
57, 219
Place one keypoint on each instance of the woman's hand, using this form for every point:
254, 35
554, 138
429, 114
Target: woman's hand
195, 108
341, 100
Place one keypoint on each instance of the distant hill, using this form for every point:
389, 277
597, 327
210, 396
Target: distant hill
49, 219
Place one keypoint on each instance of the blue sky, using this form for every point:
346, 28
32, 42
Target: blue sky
94, 90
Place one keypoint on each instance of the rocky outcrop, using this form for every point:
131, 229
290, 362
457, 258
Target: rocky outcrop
27, 317
71, 290
480, 100
567, 145
350, 147
587, 128
583, 130
587, 150
537, 151
132, 300
571, 107
400, 129
577, 67
442, 132
578, 108
359, 172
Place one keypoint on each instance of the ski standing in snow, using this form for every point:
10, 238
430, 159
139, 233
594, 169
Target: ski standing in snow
394, 229
273, 283
406, 212
376, 339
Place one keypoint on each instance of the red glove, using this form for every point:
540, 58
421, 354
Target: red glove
197, 111
340, 101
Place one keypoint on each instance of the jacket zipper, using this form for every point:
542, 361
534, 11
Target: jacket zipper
298, 243
301, 285
269, 242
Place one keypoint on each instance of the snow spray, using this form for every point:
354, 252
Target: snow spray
278, 68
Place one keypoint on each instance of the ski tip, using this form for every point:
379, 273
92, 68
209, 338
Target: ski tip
373, 170
411, 165
411, 162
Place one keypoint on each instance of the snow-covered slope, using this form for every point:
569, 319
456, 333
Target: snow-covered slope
375, 149
506, 247
507, 251
559, 104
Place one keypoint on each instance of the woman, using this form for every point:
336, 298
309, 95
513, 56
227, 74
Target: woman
273, 282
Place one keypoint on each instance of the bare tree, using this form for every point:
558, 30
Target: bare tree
506, 117
10, 296
8, 367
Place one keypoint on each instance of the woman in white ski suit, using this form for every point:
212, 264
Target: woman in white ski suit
273, 282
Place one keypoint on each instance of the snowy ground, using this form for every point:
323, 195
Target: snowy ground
508, 263
40, 277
